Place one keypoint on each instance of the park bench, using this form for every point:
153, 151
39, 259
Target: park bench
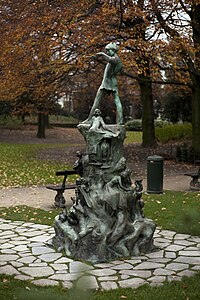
194, 183
60, 189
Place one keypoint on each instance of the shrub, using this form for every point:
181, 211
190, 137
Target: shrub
134, 125
174, 132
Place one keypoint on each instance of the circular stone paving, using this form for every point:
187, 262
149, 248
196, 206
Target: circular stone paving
24, 254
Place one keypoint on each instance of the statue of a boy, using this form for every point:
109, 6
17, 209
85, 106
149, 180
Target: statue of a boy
109, 82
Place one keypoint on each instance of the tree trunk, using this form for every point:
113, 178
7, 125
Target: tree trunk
41, 126
47, 124
195, 76
196, 118
148, 129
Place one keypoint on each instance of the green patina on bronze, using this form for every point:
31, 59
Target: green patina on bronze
106, 220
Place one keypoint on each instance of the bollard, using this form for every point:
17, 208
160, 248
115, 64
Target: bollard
155, 174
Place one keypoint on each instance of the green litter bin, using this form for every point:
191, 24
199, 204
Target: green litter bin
155, 174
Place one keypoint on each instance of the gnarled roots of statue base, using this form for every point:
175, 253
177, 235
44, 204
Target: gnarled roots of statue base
106, 220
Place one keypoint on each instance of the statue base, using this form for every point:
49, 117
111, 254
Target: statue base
106, 220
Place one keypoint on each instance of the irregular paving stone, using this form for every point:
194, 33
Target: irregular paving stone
173, 278
6, 232
103, 265
31, 233
27, 259
157, 279
66, 277
174, 248
102, 272
161, 245
187, 273
36, 244
7, 226
21, 248
188, 260
136, 273
108, 278
180, 236
160, 260
2, 263
67, 284
87, 282
156, 284
132, 283
157, 254
6, 246
61, 272
41, 238
45, 282
8, 251
167, 233
21, 242
184, 242
163, 272
123, 277
170, 254
63, 260
8, 257
192, 249
42, 250
124, 266
162, 240
116, 262
24, 254
76, 266
177, 266
49, 257
40, 226
8, 270
20, 238
23, 277
109, 285
133, 261
16, 264
148, 266
37, 271
7, 237
39, 264
58, 267
190, 253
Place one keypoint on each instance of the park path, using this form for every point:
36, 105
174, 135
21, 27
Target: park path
41, 197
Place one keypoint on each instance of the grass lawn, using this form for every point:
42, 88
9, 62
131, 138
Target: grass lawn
187, 289
178, 211
19, 166
133, 137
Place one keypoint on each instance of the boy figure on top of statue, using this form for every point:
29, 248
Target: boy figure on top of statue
109, 82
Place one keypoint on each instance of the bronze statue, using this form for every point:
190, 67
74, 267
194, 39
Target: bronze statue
109, 82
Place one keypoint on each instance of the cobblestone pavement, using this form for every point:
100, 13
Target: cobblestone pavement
24, 254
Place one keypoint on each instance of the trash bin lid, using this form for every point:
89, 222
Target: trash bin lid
155, 158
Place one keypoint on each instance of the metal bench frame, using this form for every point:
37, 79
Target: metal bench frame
194, 183
60, 189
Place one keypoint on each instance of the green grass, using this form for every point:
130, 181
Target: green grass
29, 214
177, 211
187, 289
19, 166
133, 137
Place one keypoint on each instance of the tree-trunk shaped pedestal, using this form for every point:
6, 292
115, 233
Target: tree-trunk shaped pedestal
106, 220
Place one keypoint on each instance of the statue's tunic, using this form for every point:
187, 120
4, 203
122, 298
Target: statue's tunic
112, 68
